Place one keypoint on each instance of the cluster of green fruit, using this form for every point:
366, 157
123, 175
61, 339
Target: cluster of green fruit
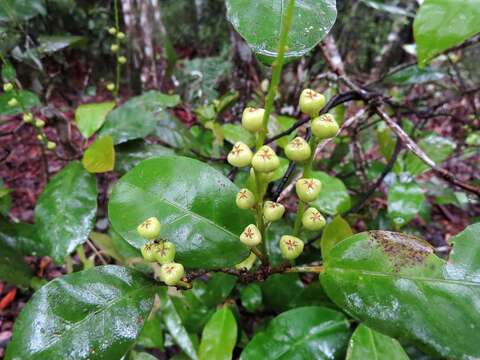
28, 118
161, 251
265, 161
116, 48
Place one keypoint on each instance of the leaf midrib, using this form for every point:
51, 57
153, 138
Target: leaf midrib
403, 276
188, 211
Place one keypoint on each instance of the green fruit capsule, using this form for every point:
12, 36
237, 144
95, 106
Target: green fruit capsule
265, 160
311, 102
114, 48
27, 118
110, 86
245, 199
120, 35
313, 220
171, 273
251, 236
252, 119
147, 251
291, 247
308, 189
51, 145
273, 211
7, 87
39, 123
164, 252
149, 229
324, 126
12, 102
112, 31
122, 60
240, 155
298, 150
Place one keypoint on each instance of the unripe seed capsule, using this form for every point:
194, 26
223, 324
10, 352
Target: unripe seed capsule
114, 48
147, 251
240, 155
251, 236
51, 145
273, 211
171, 273
247, 263
264, 177
311, 102
122, 60
252, 119
39, 123
298, 150
112, 31
7, 87
291, 247
324, 126
27, 118
308, 189
313, 220
164, 252
12, 102
110, 86
245, 199
120, 35
265, 160
150, 228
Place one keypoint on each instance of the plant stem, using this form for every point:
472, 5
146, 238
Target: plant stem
277, 70
311, 269
117, 42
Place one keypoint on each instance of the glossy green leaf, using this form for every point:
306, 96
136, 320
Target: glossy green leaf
20, 10
279, 290
90, 117
136, 118
414, 75
100, 156
92, 314
437, 147
464, 260
334, 197
53, 43
195, 204
305, 333
370, 344
405, 200
219, 336
397, 285
174, 325
259, 23
235, 132
151, 335
22, 237
335, 231
13, 268
251, 297
27, 99
173, 133
442, 24
65, 211
131, 153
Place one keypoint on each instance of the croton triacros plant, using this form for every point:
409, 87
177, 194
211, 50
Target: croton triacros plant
200, 245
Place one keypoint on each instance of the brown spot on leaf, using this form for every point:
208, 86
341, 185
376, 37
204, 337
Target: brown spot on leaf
402, 250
